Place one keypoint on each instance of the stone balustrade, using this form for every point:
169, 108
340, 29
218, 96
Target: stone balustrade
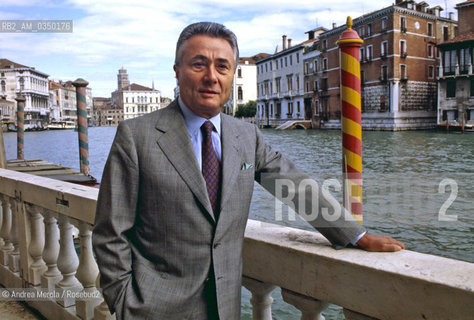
37, 252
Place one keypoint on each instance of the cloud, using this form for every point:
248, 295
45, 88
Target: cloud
141, 35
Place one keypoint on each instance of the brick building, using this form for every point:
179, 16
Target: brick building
398, 68
311, 67
456, 77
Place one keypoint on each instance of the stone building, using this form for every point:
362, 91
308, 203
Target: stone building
456, 77
63, 104
280, 89
16, 79
134, 99
244, 87
398, 67
7, 110
106, 114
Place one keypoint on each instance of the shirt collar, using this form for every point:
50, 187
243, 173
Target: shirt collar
194, 122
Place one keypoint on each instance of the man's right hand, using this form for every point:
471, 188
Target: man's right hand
377, 243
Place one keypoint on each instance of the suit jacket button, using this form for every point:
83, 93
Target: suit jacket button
207, 279
216, 244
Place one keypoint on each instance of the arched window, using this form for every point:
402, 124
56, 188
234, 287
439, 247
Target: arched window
239, 72
4, 87
240, 94
22, 83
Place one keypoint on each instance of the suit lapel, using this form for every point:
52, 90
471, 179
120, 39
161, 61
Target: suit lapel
177, 147
231, 158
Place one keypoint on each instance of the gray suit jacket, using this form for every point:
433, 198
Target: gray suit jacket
155, 235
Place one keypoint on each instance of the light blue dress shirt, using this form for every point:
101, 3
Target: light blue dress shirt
193, 124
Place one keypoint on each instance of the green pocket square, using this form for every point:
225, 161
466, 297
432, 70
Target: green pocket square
246, 166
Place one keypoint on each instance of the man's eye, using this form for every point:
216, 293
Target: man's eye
223, 67
198, 64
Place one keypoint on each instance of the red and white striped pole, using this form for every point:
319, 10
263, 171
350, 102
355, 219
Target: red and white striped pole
349, 44
81, 85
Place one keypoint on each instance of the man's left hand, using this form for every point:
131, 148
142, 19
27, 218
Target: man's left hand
376, 243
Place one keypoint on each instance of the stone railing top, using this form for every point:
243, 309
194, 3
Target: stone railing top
70, 199
401, 285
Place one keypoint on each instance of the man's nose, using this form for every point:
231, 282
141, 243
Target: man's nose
211, 74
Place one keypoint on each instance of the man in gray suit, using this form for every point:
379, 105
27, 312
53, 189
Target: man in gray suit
168, 239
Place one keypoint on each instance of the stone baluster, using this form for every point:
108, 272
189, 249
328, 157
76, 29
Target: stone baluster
36, 246
50, 253
67, 264
5, 231
470, 68
311, 309
87, 273
102, 312
261, 298
457, 69
352, 315
14, 257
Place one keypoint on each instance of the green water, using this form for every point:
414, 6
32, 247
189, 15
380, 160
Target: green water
403, 172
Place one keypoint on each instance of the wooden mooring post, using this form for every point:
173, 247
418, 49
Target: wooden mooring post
3, 157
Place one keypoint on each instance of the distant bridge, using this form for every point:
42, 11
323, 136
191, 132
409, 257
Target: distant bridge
295, 124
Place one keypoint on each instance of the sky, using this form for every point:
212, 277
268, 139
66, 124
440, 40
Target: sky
141, 35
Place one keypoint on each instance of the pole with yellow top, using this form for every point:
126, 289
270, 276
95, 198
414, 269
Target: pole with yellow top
349, 44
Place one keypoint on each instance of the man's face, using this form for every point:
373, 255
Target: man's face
205, 74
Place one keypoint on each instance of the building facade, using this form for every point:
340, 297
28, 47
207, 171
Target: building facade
280, 89
398, 68
311, 67
456, 77
16, 79
105, 113
7, 110
244, 87
63, 103
135, 100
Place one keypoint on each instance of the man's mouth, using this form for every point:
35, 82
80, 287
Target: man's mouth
206, 91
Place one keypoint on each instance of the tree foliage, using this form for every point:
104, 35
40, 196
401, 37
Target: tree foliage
247, 110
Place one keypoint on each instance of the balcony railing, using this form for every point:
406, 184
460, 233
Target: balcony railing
39, 254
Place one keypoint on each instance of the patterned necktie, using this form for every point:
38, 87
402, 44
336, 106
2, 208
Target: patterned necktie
210, 166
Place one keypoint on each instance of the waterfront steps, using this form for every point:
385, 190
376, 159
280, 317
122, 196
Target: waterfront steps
38, 253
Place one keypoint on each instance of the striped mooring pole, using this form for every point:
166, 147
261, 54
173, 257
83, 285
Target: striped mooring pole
349, 44
20, 124
81, 85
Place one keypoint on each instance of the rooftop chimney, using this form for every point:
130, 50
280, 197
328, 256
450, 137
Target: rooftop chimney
451, 16
289, 43
284, 41
333, 25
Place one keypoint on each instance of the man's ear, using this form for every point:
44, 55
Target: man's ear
176, 72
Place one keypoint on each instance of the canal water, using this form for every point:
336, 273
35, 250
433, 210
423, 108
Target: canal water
418, 185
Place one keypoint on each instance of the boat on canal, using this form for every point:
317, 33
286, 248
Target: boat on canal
61, 125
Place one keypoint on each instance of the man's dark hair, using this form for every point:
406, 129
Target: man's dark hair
212, 29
